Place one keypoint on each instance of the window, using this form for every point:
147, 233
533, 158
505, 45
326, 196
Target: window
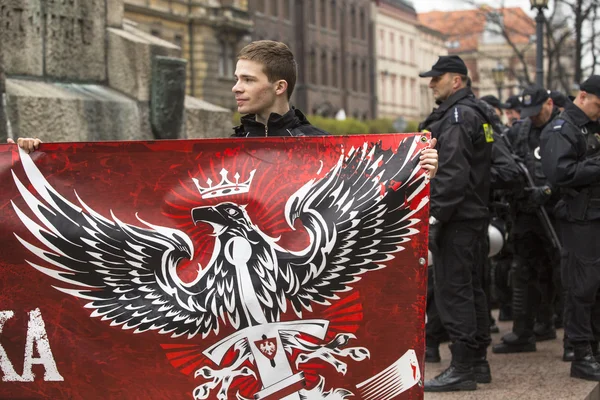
354, 75
401, 55
178, 40
383, 85
413, 90
313, 12
155, 32
333, 15
381, 43
260, 6
361, 25
392, 47
393, 88
334, 70
286, 9
323, 12
313, 66
324, 71
364, 78
275, 8
411, 49
403, 90
353, 21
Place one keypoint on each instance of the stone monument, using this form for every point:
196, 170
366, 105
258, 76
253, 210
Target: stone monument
77, 71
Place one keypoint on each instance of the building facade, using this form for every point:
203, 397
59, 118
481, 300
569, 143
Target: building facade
486, 38
431, 45
397, 47
332, 42
210, 34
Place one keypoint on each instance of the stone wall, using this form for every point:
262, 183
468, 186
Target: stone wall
58, 39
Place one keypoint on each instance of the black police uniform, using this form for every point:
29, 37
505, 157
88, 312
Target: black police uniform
459, 197
533, 255
570, 149
292, 123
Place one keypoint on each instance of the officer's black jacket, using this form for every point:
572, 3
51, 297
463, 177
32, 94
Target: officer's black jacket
292, 123
460, 190
526, 145
571, 158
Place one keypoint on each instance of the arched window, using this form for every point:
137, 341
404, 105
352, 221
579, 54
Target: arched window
364, 77
333, 15
362, 25
334, 70
324, 70
354, 75
353, 22
313, 66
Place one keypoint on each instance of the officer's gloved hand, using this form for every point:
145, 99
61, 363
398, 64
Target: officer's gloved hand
435, 230
538, 195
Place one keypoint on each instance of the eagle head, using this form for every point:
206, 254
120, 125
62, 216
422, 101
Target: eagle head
224, 217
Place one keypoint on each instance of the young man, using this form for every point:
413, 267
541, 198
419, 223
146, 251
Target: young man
265, 78
570, 150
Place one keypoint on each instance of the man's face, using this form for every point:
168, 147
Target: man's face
544, 115
254, 93
591, 106
442, 87
512, 115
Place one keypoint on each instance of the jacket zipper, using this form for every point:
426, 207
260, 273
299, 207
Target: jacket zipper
266, 130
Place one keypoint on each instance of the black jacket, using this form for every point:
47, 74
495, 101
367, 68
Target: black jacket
292, 123
526, 145
570, 148
460, 190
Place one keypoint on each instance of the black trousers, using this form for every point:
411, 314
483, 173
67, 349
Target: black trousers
459, 297
534, 258
581, 278
434, 329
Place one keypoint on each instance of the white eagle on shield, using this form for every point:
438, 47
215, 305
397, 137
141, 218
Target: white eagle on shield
355, 218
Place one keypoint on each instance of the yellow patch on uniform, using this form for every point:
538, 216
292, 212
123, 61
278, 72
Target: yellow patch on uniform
489, 133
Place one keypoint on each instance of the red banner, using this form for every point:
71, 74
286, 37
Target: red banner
275, 268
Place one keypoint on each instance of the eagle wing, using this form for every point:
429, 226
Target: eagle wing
127, 273
357, 217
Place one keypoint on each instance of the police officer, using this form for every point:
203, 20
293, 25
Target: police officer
571, 160
512, 110
532, 244
458, 222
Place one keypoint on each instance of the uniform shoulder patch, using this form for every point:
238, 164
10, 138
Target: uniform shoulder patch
557, 124
456, 116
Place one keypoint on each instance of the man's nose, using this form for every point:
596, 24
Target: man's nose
236, 87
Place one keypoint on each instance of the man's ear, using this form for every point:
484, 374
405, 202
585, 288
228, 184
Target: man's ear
281, 87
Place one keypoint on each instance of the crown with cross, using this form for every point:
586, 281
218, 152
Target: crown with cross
225, 187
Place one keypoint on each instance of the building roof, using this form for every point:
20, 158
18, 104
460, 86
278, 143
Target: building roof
464, 29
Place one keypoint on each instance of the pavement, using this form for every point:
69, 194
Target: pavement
527, 376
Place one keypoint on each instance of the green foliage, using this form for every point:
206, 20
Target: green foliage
350, 126
381, 125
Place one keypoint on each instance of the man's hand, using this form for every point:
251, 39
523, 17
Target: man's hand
429, 159
435, 230
27, 144
538, 195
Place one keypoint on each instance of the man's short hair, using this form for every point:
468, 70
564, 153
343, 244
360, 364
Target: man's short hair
466, 80
277, 59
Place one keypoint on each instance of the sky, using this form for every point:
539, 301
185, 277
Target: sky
448, 5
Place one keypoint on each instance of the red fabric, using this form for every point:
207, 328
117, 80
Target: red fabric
385, 310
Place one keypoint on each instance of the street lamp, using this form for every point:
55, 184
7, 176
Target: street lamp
539, 39
498, 75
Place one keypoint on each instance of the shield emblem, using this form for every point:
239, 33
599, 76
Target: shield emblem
527, 100
167, 98
268, 347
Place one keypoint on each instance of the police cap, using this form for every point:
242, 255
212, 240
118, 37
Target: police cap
591, 85
532, 100
446, 64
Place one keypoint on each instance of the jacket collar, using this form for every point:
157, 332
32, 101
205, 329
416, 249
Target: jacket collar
577, 115
276, 123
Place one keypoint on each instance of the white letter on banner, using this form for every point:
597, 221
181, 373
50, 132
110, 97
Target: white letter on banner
5, 365
37, 336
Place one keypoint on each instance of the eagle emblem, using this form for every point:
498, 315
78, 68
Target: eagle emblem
357, 216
